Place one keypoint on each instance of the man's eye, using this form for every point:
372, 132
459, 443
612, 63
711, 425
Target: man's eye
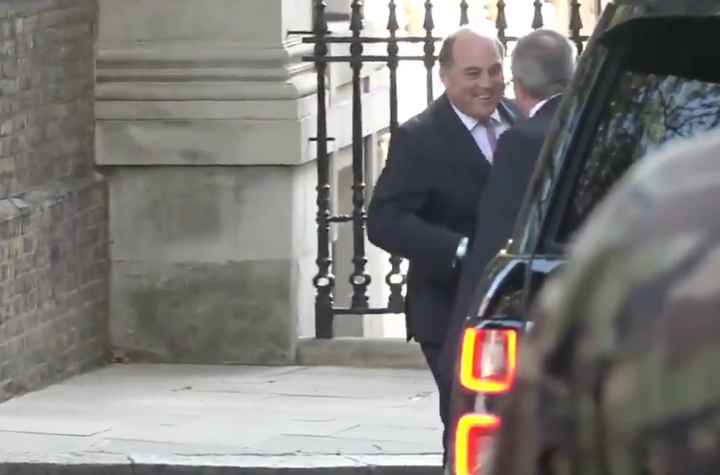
495, 71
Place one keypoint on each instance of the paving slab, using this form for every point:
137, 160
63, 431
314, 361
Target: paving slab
299, 418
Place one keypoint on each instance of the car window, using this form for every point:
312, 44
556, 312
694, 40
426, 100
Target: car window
645, 112
561, 138
571, 116
655, 98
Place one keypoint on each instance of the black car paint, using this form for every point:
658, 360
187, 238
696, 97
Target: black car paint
518, 272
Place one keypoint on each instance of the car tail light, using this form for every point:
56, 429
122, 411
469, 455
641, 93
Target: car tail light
488, 359
473, 442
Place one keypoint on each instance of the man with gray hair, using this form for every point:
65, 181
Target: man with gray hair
542, 65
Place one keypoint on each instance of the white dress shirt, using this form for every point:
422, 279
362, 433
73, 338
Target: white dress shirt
480, 133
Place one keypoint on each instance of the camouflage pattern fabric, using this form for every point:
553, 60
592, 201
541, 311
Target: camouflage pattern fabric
621, 375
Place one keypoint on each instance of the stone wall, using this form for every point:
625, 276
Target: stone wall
53, 212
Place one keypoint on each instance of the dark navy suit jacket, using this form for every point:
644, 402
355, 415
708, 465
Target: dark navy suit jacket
424, 202
514, 163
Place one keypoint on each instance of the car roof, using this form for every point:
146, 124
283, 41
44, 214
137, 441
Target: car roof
665, 8
632, 13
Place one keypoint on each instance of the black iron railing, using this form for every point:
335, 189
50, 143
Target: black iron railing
321, 38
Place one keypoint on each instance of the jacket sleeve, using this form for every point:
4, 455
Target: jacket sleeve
394, 214
498, 210
515, 159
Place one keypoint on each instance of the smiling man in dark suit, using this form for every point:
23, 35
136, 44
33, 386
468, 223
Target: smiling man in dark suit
424, 205
542, 65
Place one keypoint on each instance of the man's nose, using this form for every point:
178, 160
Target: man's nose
484, 80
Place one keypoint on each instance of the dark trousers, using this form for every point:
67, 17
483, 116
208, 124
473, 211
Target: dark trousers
432, 352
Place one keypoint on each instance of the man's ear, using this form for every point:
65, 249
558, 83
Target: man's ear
443, 73
518, 89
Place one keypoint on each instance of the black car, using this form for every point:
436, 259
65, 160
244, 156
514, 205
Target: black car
650, 74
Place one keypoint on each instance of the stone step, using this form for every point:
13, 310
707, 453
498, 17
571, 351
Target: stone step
360, 352
114, 464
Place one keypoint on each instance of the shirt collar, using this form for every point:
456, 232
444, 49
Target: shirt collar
539, 105
470, 122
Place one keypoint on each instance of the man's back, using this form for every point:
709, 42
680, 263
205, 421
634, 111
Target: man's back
619, 376
543, 63
498, 209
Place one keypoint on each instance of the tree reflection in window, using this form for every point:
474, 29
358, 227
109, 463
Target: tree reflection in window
560, 140
645, 112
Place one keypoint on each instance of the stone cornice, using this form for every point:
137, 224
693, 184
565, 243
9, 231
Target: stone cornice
170, 71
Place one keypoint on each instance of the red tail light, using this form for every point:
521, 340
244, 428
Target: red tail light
488, 360
472, 440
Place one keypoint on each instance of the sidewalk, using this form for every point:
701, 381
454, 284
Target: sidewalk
228, 415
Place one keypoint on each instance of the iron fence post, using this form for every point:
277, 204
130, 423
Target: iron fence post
324, 280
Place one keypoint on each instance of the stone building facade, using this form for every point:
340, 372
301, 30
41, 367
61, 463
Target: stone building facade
53, 204
157, 184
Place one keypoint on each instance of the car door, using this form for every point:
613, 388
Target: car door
650, 88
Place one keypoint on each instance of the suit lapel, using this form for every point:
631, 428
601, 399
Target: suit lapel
464, 146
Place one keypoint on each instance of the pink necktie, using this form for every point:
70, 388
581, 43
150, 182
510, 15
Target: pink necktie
491, 134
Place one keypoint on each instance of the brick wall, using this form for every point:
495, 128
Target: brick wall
53, 212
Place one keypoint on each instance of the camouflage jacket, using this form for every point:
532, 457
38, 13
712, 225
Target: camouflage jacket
621, 374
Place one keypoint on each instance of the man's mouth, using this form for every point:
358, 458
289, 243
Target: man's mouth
485, 97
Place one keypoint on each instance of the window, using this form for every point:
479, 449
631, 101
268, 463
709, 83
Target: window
646, 112
552, 166
656, 98
560, 138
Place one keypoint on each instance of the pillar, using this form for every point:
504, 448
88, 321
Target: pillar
205, 111
203, 118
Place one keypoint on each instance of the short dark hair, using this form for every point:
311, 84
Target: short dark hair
446, 57
543, 63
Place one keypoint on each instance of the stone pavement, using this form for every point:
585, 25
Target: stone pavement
228, 415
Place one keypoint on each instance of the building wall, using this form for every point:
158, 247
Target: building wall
53, 214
